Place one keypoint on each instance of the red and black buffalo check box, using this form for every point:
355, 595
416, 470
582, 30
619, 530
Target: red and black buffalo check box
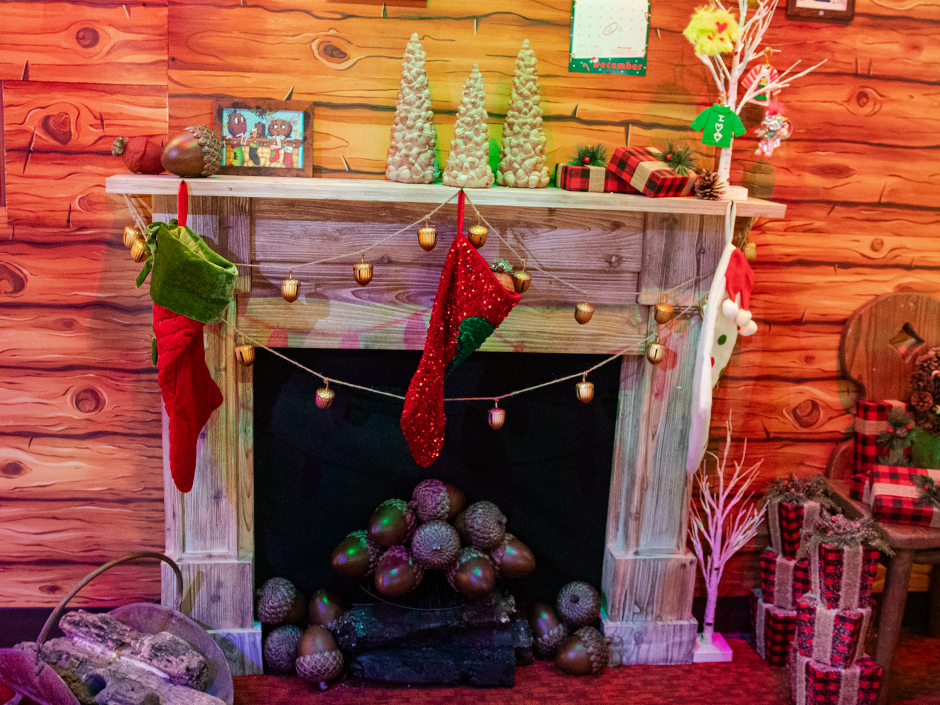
597, 179
773, 630
642, 168
860, 488
783, 581
817, 684
896, 499
871, 418
832, 637
791, 524
835, 574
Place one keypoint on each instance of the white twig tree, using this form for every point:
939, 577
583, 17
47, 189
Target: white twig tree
722, 522
745, 51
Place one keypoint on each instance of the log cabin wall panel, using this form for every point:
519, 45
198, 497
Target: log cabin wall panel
858, 179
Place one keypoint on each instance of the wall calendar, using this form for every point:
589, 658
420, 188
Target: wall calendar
609, 36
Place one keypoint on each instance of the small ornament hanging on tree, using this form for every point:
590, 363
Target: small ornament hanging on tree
773, 129
522, 156
411, 152
709, 186
468, 164
712, 30
762, 75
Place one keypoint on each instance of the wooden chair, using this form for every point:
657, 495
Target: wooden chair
879, 345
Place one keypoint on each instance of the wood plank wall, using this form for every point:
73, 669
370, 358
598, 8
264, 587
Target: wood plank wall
80, 457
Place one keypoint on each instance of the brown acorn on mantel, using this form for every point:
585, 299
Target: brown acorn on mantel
485, 525
435, 545
578, 604
392, 523
512, 558
547, 630
195, 152
279, 602
141, 154
584, 653
472, 574
356, 556
433, 499
325, 608
397, 572
320, 660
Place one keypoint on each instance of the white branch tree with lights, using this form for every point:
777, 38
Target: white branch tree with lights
721, 524
727, 77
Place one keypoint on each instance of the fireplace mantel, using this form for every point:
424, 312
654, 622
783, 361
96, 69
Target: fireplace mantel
628, 252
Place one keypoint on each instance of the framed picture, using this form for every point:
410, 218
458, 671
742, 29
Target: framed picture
838, 11
265, 137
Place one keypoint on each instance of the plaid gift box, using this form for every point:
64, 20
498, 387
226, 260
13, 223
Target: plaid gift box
895, 497
831, 637
642, 168
871, 418
818, 684
842, 578
597, 179
860, 488
783, 580
773, 630
786, 520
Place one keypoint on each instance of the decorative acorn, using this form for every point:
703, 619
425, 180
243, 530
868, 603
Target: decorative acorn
477, 235
485, 525
521, 280
324, 609
320, 660
281, 647
583, 312
435, 545
356, 556
141, 154
245, 354
584, 653
279, 602
131, 234
497, 416
397, 572
325, 396
472, 574
547, 630
290, 288
664, 312
362, 272
750, 251
195, 152
655, 352
512, 558
584, 389
427, 237
139, 250
392, 523
433, 499
578, 604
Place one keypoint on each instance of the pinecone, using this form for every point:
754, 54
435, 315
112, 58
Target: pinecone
578, 604
279, 602
281, 648
433, 499
212, 147
708, 186
596, 645
485, 525
320, 668
435, 545
925, 390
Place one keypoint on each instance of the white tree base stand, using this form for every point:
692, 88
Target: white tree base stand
734, 193
717, 651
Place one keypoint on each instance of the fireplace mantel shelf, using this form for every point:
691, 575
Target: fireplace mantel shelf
375, 190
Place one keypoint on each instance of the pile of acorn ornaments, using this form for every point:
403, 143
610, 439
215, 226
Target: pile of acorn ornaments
431, 532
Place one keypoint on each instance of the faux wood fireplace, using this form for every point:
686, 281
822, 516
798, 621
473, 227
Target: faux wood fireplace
610, 245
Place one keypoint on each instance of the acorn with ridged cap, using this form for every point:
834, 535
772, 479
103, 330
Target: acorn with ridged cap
392, 523
578, 604
397, 572
472, 574
325, 609
485, 525
512, 558
584, 653
435, 545
547, 630
356, 556
279, 602
320, 660
196, 152
281, 648
433, 499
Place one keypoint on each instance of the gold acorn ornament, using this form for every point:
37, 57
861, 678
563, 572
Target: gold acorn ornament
477, 235
584, 389
655, 352
245, 354
521, 280
497, 416
325, 396
131, 234
139, 250
664, 312
362, 271
750, 251
427, 236
583, 312
290, 288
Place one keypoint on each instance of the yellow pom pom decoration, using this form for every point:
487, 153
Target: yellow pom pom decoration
712, 31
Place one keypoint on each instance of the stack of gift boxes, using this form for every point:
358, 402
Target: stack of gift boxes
631, 170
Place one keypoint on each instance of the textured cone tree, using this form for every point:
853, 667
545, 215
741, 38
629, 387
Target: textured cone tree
468, 164
522, 156
411, 151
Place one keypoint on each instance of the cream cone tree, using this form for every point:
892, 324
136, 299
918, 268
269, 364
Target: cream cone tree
468, 164
522, 156
411, 151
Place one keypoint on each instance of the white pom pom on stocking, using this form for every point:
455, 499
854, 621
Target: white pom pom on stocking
749, 329
729, 308
743, 318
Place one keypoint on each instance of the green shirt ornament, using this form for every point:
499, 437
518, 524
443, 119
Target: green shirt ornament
719, 125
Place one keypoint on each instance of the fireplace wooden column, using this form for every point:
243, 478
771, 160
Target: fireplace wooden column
610, 245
